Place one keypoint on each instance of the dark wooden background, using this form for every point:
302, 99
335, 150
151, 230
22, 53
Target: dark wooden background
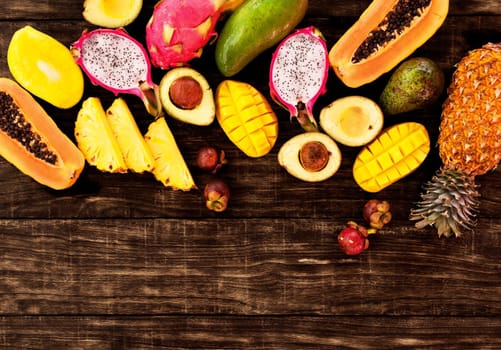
121, 262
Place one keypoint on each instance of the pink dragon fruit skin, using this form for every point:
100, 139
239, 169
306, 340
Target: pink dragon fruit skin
298, 74
179, 29
114, 60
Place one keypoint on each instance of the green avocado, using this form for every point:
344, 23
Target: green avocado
416, 84
254, 27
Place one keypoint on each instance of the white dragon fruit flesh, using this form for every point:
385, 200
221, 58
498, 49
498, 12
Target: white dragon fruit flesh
178, 30
114, 60
298, 74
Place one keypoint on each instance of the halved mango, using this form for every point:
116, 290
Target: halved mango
394, 154
45, 67
246, 117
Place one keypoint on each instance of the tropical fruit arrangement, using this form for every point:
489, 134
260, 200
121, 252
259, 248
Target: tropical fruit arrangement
380, 41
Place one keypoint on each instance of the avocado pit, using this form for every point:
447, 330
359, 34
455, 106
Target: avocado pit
310, 156
186, 93
313, 156
187, 96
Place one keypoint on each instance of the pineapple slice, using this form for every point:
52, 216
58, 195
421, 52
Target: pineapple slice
136, 152
394, 154
95, 138
170, 166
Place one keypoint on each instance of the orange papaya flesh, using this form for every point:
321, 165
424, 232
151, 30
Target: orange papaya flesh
31, 141
386, 33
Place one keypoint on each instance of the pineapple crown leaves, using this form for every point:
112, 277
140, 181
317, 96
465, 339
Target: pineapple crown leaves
449, 202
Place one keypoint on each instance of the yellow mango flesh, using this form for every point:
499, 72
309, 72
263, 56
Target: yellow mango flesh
394, 154
45, 67
246, 117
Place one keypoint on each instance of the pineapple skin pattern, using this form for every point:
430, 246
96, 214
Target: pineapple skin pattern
469, 144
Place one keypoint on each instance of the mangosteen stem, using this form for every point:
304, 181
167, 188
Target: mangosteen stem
305, 119
151, 99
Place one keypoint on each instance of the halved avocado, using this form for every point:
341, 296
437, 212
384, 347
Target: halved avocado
187, 96
310, 156
352, 120
111, 13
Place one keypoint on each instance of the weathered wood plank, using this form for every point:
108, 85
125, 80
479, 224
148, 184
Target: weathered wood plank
253, 266
205, 332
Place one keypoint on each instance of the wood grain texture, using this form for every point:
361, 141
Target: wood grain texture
253, 266
121, 262
257, 333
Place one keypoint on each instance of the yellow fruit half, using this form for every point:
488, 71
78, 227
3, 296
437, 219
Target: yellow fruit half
394, 154
246, 117
135, 151
310, 156
352, 120
96, 140
45, 67
111, 13
170, 166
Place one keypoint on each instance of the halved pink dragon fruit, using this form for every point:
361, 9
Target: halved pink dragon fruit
298, 74
114, 60
178, 30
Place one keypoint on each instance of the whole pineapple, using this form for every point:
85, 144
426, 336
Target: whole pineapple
469, 143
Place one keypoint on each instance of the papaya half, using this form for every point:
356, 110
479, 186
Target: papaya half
32, 141
387, 32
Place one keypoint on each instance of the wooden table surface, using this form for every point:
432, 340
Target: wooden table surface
121, 262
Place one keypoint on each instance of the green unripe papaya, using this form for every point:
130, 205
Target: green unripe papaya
254, 27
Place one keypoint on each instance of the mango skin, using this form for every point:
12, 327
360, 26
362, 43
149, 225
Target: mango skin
254, 27
416, 84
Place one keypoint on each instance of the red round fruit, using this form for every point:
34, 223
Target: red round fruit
377, 213
209, 159
217, 195
353, 239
